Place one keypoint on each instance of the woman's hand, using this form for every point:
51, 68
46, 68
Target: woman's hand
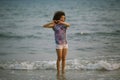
56, 21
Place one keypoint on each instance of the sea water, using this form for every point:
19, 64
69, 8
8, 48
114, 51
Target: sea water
93, 37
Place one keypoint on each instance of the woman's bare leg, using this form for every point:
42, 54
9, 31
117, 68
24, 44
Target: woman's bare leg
59, 58
64, 54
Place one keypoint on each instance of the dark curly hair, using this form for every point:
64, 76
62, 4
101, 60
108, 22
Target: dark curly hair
58, 15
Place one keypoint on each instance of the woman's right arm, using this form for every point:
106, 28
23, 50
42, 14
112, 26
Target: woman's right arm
49, 25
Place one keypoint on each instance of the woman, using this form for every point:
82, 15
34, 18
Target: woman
59, 26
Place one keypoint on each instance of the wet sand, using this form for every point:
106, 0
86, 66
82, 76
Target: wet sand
52, 75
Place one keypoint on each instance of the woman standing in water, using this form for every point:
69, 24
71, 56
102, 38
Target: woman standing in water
59, 26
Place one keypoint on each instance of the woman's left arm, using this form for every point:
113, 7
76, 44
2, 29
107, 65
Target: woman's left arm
65, 23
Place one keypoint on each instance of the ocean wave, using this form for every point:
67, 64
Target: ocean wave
11, 35
116, 32
99, 65
75, 64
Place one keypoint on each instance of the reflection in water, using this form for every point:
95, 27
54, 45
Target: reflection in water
61, 77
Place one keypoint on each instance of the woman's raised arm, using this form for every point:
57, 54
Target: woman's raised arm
49, 25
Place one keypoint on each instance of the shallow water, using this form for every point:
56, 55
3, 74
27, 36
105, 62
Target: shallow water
51, 75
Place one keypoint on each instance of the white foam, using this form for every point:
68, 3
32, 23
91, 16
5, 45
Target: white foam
75, 64
87, 65
109, 66
22, 65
